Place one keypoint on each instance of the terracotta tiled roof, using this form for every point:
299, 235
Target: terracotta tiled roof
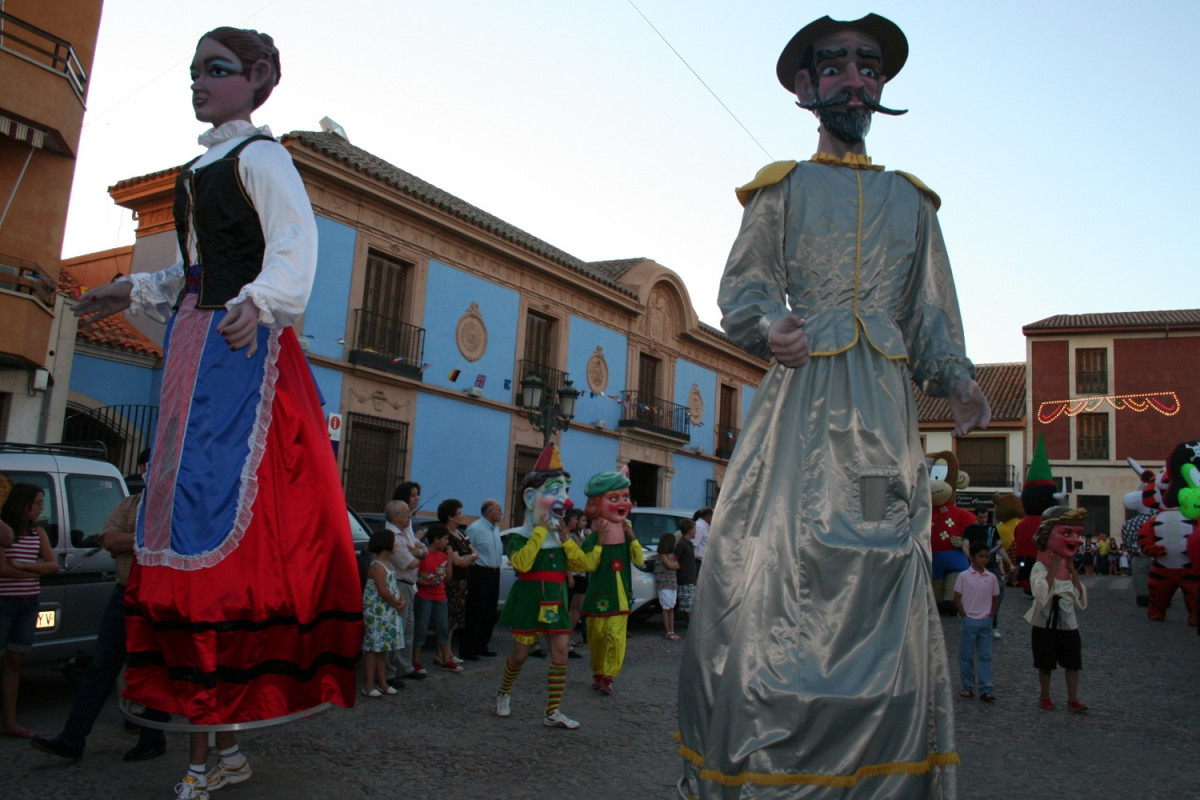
1002, 384
371, 165
1127, 320
112, 331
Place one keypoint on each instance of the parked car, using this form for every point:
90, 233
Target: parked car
80, 491
361, 534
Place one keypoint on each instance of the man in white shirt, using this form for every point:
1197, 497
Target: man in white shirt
483, 583
405, 557
702, 518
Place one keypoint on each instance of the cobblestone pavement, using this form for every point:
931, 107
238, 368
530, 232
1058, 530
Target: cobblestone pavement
439, 738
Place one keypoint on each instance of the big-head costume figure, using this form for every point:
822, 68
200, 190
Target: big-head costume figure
541, 553
610, 549
1167, 536
950, 523
814, 664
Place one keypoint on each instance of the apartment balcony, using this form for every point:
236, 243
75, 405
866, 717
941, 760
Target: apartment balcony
640, 411
27, 308
990, 475
47, 110
726, 437
387, 344
552, 379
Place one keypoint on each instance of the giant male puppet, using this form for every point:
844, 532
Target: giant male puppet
814, 665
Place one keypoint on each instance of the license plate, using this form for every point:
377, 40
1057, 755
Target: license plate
46, 620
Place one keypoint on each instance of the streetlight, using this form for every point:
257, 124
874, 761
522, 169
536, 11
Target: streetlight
548, 414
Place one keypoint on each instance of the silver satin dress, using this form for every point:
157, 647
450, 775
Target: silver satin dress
815, 665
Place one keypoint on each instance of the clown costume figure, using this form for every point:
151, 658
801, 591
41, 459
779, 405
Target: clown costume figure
244, 603
610, 549
541, 553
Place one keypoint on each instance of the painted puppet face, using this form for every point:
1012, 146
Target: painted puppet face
550, 497
848, 65
221, 90
1065, 540
615, 505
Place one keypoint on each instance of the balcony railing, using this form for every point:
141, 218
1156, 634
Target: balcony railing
989, 474
639, 410
726, 438
43, 49
552, 379
387, 344
26, 277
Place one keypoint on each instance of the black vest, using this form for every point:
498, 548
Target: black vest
229, 237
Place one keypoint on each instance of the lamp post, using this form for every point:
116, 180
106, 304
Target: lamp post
548, 414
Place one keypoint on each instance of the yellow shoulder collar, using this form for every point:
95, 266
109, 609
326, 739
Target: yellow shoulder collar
767, 176
917, 182
773, 173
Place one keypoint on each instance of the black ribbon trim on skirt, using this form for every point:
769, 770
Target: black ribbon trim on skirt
243, 675
227, 626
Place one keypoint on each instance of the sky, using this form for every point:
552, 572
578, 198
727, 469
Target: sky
616, 129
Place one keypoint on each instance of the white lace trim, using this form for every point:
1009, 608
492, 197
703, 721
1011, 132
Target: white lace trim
248, 491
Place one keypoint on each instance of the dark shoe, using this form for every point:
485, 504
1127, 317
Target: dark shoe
987, 697
396, 683
573, 654
416, 676
538, 653
56, 748
144, 751
488, 653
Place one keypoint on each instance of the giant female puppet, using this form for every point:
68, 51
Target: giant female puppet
244, 605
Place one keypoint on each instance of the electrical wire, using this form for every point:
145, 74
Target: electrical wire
701, 80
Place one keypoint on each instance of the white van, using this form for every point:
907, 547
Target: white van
81, 490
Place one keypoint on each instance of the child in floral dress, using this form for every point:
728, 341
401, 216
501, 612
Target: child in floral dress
382, 607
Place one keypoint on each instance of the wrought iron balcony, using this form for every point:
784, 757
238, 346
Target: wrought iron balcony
998, 475
387, 344
26, 277
644, 412
552, 379
42, 49
726, 438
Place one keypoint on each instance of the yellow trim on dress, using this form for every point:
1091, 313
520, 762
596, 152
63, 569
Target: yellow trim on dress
815, 779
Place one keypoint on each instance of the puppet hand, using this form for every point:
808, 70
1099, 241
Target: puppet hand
104, 301
788, 341
969, 407
240, 327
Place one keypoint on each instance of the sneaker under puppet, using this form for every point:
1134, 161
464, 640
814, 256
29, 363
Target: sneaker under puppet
1168, 538
946, 531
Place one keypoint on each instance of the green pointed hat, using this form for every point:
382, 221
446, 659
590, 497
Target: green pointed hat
1039, 473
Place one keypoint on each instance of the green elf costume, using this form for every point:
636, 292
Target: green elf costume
609, 549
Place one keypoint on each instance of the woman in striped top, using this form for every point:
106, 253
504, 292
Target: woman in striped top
22, 564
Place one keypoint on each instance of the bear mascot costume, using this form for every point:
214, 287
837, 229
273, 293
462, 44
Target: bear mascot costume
949, 524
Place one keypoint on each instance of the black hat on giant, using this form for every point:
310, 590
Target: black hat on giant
798, 53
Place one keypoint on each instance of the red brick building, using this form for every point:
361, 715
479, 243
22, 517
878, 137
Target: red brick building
1106, 387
